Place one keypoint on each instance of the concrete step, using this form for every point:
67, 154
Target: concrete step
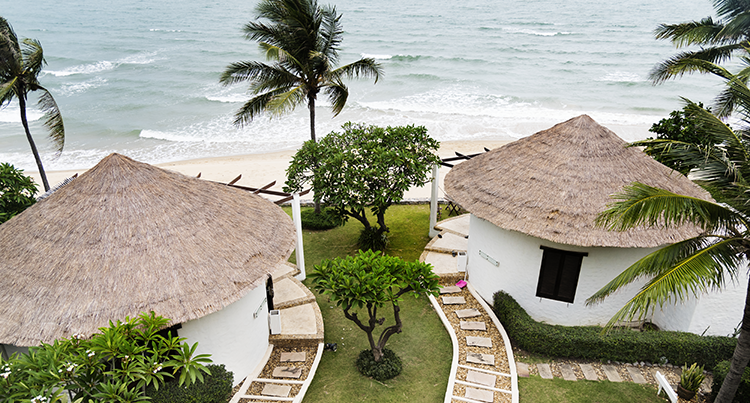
284, 269
443, 264
448, 242
300, 325
458, 225
289, 292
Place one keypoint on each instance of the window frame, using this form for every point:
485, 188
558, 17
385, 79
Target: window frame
561, 273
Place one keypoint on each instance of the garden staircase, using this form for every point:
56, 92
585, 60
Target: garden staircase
293, 355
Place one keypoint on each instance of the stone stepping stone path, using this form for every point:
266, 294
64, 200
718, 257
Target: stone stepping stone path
481, 378
544, 371
300, 356
276, 390
481, 326
567, 372
480, 395
635, 375
287, 372
611, 372
451, 289
477, 358
478, 341
468, 313
454, 300
588, 372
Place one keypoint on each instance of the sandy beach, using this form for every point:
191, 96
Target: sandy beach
258, 170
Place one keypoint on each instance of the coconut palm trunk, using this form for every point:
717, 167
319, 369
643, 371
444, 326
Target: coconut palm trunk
740, 358
37, 158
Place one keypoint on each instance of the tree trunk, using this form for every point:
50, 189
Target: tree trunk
740, 358
22, 105
311, 106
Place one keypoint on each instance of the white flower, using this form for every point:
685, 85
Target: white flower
5, 374
89, 353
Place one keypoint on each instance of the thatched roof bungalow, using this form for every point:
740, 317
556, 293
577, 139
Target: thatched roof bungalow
127, 237
533, 204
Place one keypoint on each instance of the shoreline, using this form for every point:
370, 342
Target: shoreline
258, 170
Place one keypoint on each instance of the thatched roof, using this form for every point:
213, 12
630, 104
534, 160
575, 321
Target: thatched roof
127, 237
553, 184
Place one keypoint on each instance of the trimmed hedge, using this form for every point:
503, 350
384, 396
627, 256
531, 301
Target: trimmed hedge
622, 345
216, 388
720, 372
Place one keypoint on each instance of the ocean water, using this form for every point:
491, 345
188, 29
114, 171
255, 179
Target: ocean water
142, 77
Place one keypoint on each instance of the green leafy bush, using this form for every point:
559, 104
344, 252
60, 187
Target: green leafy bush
16, 191
720, 372
388, 367
326, 219
215, 388
372, 239
623, 345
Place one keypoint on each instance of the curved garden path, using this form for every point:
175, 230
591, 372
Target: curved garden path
483, 368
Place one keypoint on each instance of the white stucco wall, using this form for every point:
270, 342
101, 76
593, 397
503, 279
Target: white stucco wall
519, 258
717, 313
232, 336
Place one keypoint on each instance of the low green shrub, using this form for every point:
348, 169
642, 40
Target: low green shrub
216, 388
388, 367
623, 345
720, 372
327, 218
372, 239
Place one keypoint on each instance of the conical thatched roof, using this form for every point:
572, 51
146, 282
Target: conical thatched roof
553, 184
127, 237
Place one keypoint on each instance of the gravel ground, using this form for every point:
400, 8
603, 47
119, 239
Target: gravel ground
273, 362
497, 349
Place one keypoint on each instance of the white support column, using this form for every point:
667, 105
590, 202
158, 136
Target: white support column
434, 200
300, 253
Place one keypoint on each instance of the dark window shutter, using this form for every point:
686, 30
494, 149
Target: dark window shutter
558, 276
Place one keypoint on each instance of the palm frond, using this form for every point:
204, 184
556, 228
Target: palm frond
643, 205
730, 8
736, 28
252, 108
705, 265
286, 101
700, 32
704, 61
331, 34
366, 67
251, 71
8, 39
7, 91
33, 57
52, 118
337, 96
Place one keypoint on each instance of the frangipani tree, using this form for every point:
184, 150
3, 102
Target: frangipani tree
369, 282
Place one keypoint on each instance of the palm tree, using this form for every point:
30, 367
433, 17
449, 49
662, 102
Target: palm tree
704, 263
20, 66
302, 39
718, 40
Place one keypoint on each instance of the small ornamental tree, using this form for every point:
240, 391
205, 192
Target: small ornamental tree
364, 283
364, 167
16, 191
679, 130
115, 365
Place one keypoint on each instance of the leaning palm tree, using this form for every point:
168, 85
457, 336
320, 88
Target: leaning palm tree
302, 39
706, 262
20, 65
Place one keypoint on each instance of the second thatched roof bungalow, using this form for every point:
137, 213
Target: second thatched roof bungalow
127, 237
533, 204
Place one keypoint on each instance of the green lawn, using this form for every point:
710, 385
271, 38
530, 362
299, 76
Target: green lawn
424, 346
538, 390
